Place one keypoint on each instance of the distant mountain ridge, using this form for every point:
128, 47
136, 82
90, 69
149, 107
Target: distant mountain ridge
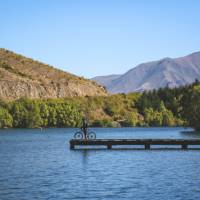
25, 77
106, 80
153, 75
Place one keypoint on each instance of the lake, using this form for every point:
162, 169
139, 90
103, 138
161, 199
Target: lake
38, 164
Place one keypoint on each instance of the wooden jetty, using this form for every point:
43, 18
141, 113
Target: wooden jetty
146, 143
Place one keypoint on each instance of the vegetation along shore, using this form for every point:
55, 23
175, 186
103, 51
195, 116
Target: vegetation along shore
163, 107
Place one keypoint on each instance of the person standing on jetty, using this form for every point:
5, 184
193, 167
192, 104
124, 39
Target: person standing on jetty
84, 127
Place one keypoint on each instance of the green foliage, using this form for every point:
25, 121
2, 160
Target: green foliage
160, 117
153, 118
110, 108
44, 113
102, 123
52, 118
191, 106
19, 113
131, 119
164, 107
33, 118
67, 115
168, 118
6, 119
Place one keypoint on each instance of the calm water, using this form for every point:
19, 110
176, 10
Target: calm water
39, 165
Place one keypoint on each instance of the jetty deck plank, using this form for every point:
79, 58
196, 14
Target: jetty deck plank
184, 143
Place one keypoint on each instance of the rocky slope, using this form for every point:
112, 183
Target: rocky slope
153, 75
24, 77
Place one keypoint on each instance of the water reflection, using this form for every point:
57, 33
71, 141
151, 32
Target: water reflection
190, 134
34, 165
85, 155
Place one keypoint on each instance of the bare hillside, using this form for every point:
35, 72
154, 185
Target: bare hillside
25, 77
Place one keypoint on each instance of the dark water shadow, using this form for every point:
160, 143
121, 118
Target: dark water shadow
192, 134
132, 149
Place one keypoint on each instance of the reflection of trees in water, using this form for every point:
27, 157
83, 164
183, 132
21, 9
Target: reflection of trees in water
190, 134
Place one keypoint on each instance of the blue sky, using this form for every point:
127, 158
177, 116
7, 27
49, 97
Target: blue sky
99, 37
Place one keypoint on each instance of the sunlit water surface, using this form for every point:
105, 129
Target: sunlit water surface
38, 164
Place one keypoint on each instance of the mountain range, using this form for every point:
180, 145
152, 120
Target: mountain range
25, 77
171, 72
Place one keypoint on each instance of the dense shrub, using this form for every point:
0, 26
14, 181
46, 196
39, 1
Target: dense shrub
6, 119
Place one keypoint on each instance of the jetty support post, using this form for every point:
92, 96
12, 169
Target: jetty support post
72, 145
109, 146
147, 146
184, 146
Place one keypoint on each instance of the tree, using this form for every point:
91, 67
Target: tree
152, 117
52, 120
191, 106
33, 118
102, 123
44, 114
168, 118
19, 114
6, 119
131, 119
